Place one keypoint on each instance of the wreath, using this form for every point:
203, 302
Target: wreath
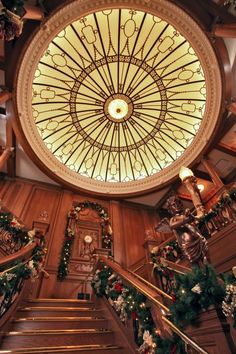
73, 216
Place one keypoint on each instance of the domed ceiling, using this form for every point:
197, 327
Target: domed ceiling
123, 95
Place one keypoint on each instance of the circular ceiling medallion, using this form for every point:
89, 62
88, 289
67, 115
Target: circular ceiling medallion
123, 95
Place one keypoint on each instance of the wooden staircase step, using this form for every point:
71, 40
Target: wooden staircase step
58, 302
84, 349
56, 337
57, 311
58, 322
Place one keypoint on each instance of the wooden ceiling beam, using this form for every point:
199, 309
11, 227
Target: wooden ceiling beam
231, 177
226, 125
202, 175
33, 13
224, 30
226, 149
219, 12
212, 172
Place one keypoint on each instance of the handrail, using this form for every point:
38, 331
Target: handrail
169, 239
151, 295
159, 291
185, 338
19, 255
8, 270
177, 267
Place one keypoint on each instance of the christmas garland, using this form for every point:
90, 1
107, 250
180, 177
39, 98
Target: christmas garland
229, 302
195, 291
171, 252
128, 303
227, 199
192, 292
10, 224
30, 269
73, 216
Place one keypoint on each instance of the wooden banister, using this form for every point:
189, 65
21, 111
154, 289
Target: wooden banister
178, 268
152, 295
131, 279
21, 255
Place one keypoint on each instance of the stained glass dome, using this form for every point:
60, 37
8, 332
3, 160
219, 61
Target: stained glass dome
119, 95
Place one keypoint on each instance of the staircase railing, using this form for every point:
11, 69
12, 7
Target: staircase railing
23, 262
13, 235
156, 297
27, 263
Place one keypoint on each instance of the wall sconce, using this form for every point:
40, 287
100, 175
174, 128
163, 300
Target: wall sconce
190, 182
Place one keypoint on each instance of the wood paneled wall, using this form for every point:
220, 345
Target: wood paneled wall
45, 206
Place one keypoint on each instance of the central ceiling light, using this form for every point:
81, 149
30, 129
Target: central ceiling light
118, 108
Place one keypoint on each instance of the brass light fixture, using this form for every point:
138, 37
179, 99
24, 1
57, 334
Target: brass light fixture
190, 183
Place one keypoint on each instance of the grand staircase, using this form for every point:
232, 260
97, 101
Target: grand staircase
60, 326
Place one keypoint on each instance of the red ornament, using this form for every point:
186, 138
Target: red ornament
134, 315
173, 349
118, 287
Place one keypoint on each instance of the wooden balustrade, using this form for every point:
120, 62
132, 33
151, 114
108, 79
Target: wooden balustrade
21, 256
153, 294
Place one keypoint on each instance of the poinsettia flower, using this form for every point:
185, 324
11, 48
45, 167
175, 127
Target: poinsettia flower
118, 287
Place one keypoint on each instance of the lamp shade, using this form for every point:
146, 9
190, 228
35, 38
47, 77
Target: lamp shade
185, 172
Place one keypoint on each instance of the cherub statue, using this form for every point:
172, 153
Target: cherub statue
182, 223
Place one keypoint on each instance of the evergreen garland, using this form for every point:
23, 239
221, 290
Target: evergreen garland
229, 302
227, 199
22, 271
73, 215
129, 303
195, 291
10, 224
